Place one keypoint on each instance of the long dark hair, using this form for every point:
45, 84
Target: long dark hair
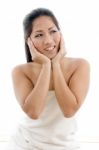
28, 25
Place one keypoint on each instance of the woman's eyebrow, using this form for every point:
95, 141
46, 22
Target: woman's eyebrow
51, 27
40, 30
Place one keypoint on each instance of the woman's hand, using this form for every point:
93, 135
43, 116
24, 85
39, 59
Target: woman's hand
61, 52
37, 56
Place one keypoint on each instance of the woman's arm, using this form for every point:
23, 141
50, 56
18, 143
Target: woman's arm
31, 98
70, 97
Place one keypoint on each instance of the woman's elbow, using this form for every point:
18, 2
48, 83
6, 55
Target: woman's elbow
31, 113
70, 113
33, 116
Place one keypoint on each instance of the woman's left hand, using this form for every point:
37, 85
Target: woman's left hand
61, 53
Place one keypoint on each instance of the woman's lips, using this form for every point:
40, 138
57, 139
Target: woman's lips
50, 48
50, 51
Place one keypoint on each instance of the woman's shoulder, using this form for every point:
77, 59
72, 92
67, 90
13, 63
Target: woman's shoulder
25, 66
26, 69
76, 61
71, 65
22, 68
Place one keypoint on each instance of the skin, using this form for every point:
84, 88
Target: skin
50, 70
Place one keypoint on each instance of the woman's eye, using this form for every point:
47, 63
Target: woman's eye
38, 35
53, 31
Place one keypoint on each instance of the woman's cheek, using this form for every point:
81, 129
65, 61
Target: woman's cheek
37, 45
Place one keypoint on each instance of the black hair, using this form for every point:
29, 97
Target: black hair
28, 25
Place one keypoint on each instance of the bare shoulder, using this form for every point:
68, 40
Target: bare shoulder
21, 82
29, 70
19, 69
22, 69
82, 64
76, 62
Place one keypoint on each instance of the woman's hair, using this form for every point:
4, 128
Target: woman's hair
28, 25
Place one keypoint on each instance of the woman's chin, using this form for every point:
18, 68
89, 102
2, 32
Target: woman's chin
51, 57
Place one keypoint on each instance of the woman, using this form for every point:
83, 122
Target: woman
50, 87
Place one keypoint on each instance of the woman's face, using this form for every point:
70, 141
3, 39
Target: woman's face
45, 36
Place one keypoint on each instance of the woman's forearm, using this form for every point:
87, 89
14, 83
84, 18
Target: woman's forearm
35, 102
65, 97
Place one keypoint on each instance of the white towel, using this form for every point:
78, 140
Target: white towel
52, 131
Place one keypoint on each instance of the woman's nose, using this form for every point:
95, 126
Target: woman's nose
48, 40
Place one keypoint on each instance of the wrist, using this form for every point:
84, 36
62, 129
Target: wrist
47, 64
55, 64
55, 61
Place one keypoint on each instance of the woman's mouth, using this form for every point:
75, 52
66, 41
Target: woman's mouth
50, 48
50, 51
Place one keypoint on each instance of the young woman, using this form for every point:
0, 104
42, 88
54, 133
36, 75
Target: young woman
50, 87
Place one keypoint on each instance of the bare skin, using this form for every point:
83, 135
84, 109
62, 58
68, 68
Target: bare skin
68, 77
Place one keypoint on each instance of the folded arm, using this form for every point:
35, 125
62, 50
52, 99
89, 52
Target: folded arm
71, 96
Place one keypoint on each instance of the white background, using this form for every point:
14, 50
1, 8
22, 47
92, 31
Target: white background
79, 20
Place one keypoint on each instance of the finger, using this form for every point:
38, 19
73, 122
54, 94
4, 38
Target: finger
29, 43
33, 47
65, 53
62, 45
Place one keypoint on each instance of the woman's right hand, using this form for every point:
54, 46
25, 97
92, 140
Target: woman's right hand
37, 56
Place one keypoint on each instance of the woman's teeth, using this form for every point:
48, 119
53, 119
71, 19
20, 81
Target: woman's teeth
50, 48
